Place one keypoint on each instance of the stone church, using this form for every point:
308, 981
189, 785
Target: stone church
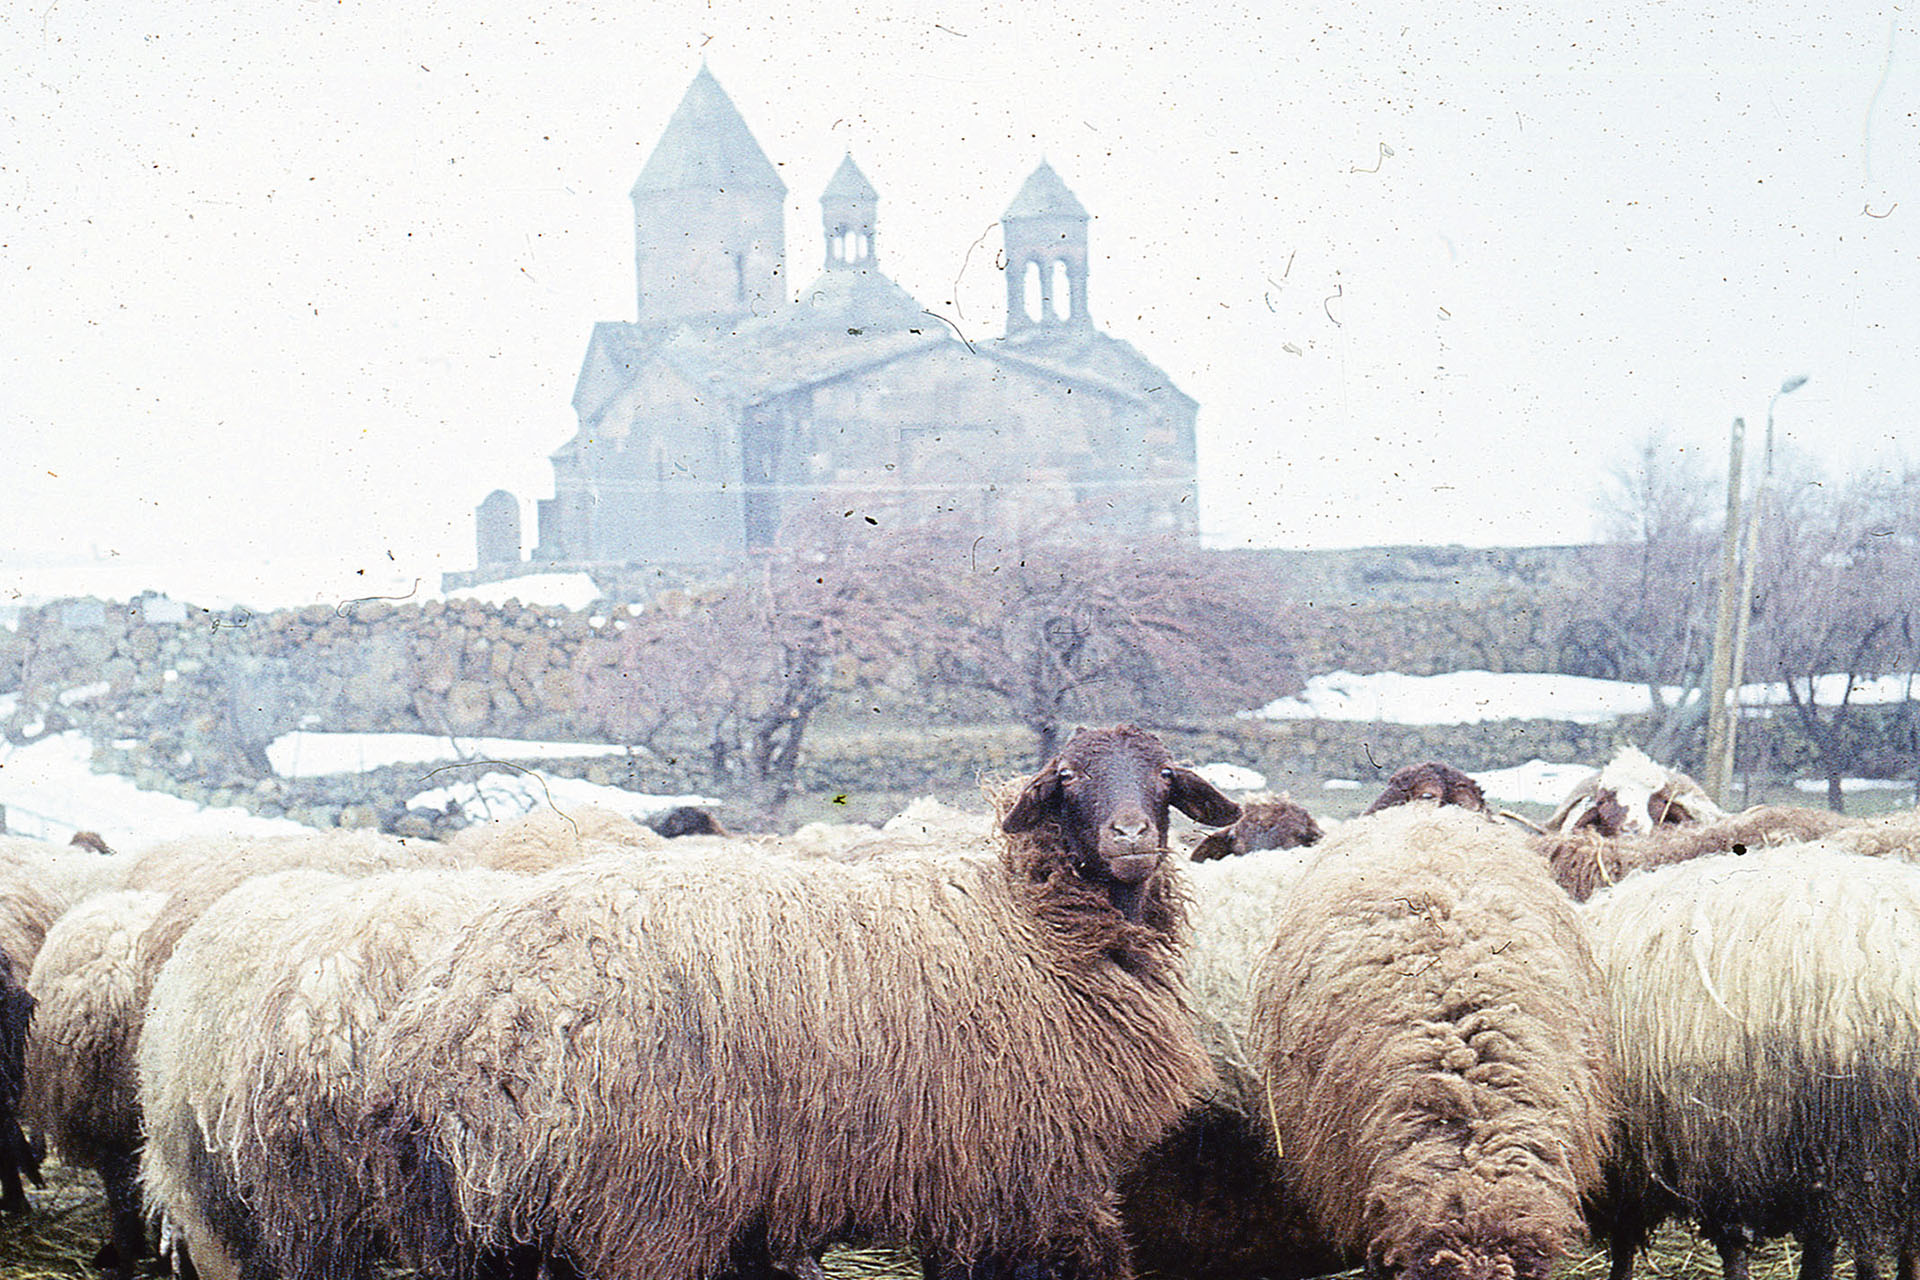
732, 401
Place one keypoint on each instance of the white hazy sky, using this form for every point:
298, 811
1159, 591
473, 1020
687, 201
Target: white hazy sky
308, 279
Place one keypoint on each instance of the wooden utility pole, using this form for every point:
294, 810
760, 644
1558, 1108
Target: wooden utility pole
1719, 759
1743, 615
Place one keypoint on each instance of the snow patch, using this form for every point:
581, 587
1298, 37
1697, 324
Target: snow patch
560, 590
499, 796
312, 755
1232, 777
1459, 697
50, 791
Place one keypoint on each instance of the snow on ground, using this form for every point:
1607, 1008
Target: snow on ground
313, 755
50, 791
562, 590
1459, 697
1853, 786
1535, 782
1232, 777
1472, 697
499, 796
1872, 691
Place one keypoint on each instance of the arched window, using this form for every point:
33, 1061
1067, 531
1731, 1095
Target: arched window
1062, 290
1031, 298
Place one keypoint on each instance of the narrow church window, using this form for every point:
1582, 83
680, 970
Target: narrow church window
1033, 292
740, 277
1062, 290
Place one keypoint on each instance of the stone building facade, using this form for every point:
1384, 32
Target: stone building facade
731, 402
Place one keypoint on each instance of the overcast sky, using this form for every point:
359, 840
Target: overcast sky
311, 278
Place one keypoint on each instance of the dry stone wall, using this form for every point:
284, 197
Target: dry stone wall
189, 698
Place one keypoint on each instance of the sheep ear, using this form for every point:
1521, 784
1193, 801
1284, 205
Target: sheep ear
1194, 796
1037, 801
1217, 845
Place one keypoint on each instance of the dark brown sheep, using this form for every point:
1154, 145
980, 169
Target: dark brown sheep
1441, 783
90, 840
1432, 1028
687, 820
672, 1066
1274, 822
19, 1160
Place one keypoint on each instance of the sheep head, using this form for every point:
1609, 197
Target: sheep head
1264, 824
1109, 792
1443, 1258
1441, 783
1634, 795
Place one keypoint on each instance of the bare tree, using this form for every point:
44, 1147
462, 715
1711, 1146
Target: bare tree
1840, 583
743, 666
1649, 598
1062, 627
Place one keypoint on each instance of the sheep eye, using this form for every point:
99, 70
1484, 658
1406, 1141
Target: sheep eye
1166, 774
1065, 775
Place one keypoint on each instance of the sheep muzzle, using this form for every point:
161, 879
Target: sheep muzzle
1135, 868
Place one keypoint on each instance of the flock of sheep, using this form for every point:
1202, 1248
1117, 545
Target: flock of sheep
1427, 1041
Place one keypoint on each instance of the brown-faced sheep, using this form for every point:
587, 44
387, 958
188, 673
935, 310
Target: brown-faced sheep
253, 1065
1440, 783
686, 820
1766, 1031
1632, 794
1431, 1025
1209, 1200
1266, 822
663, 1067
80, 1078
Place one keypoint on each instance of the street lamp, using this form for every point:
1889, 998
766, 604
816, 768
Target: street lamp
1754, 514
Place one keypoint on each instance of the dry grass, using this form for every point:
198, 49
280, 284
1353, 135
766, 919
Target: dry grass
69, 1221
61, 1235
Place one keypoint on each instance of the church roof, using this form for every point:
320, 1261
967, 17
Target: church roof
1090, 358
770, 358
849, 184
1043, 195
859, 298
707, 147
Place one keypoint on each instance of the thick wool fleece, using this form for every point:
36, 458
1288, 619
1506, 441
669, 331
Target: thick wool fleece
635, 1064
1432, 1026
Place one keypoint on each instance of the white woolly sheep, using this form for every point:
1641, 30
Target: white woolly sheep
1766, 1030
253, 1067
1431, 1025
663, 1067
193, 874
548, 838
80, 1078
